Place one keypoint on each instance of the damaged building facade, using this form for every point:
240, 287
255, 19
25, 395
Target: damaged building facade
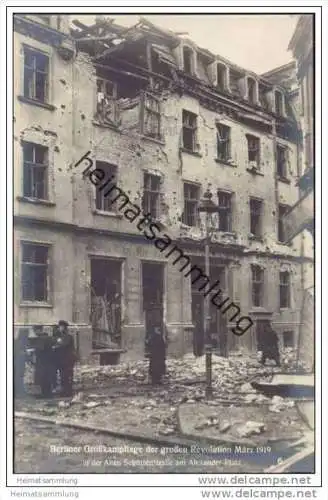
168, 120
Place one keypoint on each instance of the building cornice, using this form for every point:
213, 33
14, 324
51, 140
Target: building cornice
238, 250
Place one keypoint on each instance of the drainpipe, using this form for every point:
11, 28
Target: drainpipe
276, 190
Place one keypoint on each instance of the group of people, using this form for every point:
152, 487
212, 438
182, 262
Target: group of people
52, 357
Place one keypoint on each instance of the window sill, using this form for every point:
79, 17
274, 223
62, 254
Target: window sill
111, 126
289, 244
226, 162
254, 171
284, 309
36, 201
36, 304
283, 179
107, 214
185, 226
152, 139
259, 239
34, 102
227, 234
193, 153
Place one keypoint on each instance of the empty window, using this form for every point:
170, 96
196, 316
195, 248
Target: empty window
35, 269
288, 338
251, 91
106, 199
189, 130
282, 161
151, 196
107, 110
36, 75
151, 125
225, 211
253, 145
187, 60
35, 171
282, 210
278, 102
256, 209
221, 76
284, 289
191, 200
257, 286
223, 141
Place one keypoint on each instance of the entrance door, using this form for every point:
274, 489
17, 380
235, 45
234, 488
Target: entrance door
152, 292
106, 296
218, 323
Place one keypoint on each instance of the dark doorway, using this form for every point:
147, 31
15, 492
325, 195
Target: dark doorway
218, 322
106, 297
152, 294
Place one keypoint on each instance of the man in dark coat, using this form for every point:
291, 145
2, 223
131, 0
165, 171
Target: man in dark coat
269, 343
157, 354
65, 357
20, 358
44, 362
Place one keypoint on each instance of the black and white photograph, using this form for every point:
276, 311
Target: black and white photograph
163, 267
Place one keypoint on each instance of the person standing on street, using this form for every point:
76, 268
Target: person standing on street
157, 355
44, 362
269, 344
20, 357
65, 358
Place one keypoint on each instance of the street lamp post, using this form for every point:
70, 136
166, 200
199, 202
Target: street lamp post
208, 207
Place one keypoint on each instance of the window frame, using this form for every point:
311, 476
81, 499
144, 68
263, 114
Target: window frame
107, 99
226, 141
285, 286
284, 173
100, 200
31, 96
279, 108
152, 113
191, 55
31, 165
257, 141
257, 212
190, 127
193, 201
48, 276
280, 231
222, 68
149, 193
226, 209
252, 92
259, 293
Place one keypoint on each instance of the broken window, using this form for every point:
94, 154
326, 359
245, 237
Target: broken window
106, 199
221, 77
36, 75
256, 207
35, 171
151, 124
223, 142
251, 91
191, 201
253, 145
257, 286
107, 109
282, 210
187, 60
278, 102
225, 211
288, 338
189, 131
282, 161
151, 196
35, 268
284, 287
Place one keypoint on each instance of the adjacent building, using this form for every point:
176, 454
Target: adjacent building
167, 120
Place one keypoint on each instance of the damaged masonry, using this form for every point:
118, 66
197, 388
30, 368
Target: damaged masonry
168, 120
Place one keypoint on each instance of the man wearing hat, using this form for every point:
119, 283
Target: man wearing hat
65, 357
44, 361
